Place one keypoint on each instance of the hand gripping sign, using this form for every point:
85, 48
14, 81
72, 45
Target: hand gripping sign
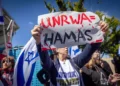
69, 28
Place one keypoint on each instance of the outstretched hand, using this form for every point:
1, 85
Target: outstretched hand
103, 26
114, 78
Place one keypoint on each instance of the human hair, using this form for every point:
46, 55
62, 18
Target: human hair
10, 59
90, 64
3, 60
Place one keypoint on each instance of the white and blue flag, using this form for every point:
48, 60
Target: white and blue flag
25, 64
1, 15
74, 51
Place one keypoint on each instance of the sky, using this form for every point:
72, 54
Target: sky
25, 13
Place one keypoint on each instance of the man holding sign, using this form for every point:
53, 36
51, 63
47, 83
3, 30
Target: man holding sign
65, 71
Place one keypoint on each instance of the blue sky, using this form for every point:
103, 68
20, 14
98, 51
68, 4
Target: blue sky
25, 13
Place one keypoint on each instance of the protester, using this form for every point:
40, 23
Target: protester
7, 71
116, 62
65, 71
94, 73
43, 75
101, 63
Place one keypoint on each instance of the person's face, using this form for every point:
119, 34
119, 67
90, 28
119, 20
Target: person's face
10, 64
5, 63
96, 57
63, 51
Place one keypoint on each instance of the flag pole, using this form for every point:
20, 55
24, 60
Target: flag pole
9, 24
10, 31
9, 35
9, 41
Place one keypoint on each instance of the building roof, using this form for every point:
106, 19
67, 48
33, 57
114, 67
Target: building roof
7, 19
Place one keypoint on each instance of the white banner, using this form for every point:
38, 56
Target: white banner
69, 28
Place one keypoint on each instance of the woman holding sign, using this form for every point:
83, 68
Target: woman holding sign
65, 71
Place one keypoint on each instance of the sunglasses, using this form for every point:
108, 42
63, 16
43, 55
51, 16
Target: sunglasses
5, 61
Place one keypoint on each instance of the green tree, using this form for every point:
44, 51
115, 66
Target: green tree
65, 6
112, 38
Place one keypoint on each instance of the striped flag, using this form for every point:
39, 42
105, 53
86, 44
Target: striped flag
1, 15
9, 34
25, 64
74, 51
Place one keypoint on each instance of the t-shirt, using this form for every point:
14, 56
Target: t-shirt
103, 78
67, 75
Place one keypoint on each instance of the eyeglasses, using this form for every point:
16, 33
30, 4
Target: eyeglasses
5, 61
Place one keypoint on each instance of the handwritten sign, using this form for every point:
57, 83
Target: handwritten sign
69, 28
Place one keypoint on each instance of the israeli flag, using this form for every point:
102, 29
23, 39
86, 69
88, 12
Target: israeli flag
74, 51
25, 64
1, 15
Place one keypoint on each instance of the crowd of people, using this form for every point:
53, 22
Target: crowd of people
86, 69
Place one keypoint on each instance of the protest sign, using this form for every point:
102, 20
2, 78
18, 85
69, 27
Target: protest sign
69, 28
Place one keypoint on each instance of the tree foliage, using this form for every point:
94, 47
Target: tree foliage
112, 38
66, 5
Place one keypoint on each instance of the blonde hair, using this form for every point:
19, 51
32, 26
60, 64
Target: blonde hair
90, 63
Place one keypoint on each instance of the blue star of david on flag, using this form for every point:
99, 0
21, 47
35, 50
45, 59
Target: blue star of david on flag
25, 64
30, 56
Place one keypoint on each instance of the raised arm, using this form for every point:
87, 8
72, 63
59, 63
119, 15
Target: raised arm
85, 56
46, 61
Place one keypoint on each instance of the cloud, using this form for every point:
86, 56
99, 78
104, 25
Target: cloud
31, 23
106, 14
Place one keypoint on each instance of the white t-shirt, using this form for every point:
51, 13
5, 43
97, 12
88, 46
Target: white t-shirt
67, 75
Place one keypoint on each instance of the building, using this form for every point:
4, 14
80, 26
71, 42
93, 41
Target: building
15, 51
7, 19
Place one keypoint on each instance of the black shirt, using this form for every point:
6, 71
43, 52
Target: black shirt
94, 77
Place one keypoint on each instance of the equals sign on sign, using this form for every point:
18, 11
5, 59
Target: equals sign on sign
92, 17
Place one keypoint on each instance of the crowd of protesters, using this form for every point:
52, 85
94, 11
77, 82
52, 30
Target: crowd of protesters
86, 69
97, 72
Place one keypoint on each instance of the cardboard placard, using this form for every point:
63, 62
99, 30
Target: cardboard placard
69, 28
